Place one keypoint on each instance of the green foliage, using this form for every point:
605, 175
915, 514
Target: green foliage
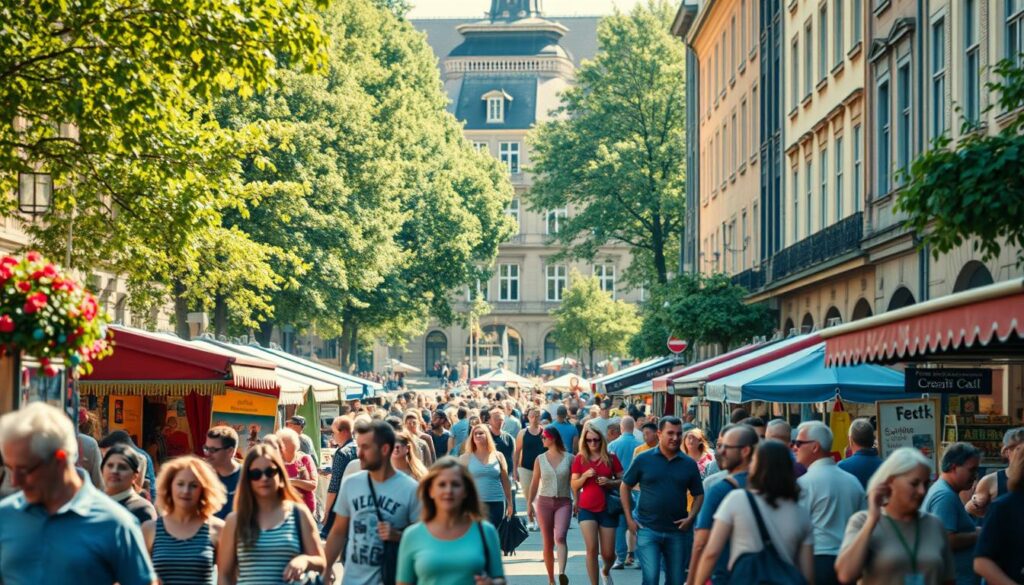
615, 157
589, 320
702, 310
974, 189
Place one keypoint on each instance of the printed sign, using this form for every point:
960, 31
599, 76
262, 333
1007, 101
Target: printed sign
909, 423
948, 381
988, 438
253, 416
125, 414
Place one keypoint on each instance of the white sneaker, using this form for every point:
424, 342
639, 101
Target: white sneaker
607, 579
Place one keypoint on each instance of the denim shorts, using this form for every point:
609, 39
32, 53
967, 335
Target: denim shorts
603, 518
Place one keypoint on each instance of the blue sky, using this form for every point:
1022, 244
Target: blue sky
472, 8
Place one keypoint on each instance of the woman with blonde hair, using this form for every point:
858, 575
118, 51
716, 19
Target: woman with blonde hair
270, 537
405, 457
490, 472
183, 541
300, 466
696, 445
596, 475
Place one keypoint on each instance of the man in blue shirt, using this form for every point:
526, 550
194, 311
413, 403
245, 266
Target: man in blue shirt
59, 528
567, 430
623, 448
663, 525
864, 460
460, 430
959, 470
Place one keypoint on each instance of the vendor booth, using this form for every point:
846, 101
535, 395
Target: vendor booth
501, 377
368, 388
567, 383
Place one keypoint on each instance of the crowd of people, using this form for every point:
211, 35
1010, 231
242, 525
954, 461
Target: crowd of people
420, 487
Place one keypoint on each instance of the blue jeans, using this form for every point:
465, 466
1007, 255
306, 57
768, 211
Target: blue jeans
671, 548
621, 544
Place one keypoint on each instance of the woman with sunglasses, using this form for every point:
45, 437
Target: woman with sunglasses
121, 476
596, 477
405, 457
549, 501
490, 472
271, 536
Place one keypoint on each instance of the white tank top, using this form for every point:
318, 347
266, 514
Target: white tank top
554, 482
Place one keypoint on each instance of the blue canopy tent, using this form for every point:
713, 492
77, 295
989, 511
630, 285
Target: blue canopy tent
807, 380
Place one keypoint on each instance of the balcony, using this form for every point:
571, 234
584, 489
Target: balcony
749, 279
829, 243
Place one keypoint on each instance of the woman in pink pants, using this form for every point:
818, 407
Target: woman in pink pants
549, 501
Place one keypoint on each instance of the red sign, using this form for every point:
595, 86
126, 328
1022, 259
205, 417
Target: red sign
676, 345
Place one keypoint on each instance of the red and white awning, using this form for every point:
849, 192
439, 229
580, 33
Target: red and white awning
961, 321
663, 383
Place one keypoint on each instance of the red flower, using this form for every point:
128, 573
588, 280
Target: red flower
35, 302
61, 284
24, 286
8, 262
5, 273
6, 324
33, 256
48, 271
89, 308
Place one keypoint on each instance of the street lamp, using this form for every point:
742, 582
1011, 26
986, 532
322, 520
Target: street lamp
35, 191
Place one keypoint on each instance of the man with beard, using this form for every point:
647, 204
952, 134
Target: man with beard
735, 451
438, 434
503, 442
373, 506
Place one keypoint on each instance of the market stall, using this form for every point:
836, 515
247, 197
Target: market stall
501, 377
567, 383
367, 388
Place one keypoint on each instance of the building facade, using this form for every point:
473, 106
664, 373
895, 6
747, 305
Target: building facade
503, 75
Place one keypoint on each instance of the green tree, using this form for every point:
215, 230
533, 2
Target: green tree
973, 189
588, 319
615, 155
702, 310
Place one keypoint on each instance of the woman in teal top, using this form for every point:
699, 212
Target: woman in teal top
453, 545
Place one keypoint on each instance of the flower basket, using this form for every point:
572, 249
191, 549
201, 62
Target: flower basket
49, 316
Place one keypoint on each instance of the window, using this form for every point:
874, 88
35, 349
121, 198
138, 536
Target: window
733, 61
714, 66
1014, 36
508, 282
479, 291
938, 78
743, 128
509, 155
857, 19
794, 79
839, 178
553, 220
753, 123
823, 41
972, 71
796, 205
735, 144
884, 162
837, 31
722, 63
725, 162
731, 247
482, 147
810, 196
605, 274
808, 58
903, 99
556, 282
495, 110
743, 30
858, 192
513, 209
823, 196
743, 241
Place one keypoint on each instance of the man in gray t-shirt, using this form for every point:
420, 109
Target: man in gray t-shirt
357, 529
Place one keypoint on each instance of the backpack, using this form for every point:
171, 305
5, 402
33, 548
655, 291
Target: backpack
767, 566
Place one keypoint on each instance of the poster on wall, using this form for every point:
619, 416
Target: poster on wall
125, 413
251, 415
910, 423
176, 430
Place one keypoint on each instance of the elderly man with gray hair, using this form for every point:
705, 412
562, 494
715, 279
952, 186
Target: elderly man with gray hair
863, 460
994, 485
828, 493
959, 470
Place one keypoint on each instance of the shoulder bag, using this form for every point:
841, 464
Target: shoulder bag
389, 558
311, 577
612, 502
767, 566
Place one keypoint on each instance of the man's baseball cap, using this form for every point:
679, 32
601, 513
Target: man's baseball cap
298, 420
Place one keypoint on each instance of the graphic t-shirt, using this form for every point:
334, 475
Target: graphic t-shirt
398, 505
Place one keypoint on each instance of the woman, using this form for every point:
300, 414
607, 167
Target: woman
300, 467
121, 475
596, 476
490, 472
549, 500
695, 444
775, 493
270, 537
453, 545
873, 549
183, 542
529, 444
405, 457
273, 441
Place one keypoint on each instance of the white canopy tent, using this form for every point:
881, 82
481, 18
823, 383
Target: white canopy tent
568, 382
560, 364
402, 367
500, 377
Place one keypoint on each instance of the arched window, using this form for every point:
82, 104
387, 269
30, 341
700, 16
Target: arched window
807, 325
832, 317
788, 327
550, 347
972, 275
436, 350
901, 298
497, 344
861, 310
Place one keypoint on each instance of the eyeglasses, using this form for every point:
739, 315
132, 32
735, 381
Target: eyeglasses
727, 447
211, 450
25, 471
256, 474
796, 444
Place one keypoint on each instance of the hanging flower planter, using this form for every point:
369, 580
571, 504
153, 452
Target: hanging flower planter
47, 315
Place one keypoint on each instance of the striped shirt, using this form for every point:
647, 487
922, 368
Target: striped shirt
184, 562
264, 561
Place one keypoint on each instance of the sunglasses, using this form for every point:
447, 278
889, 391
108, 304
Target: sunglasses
593, 440
798, 443
212, 450
256, 474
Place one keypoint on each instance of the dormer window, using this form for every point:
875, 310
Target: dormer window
496, 101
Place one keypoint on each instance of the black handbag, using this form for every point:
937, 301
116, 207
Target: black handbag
765, 567
389, 558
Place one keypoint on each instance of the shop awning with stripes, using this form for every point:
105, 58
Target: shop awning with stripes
616, 382
760, 355
663, 383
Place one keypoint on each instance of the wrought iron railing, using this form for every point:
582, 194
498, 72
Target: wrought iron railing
749, 279
831, 242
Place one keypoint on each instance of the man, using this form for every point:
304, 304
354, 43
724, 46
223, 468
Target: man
756, 423
779, 430
341, 431
959, 469
297, 423
439, 436
738, 415
828, 493
89, 458
650, 431
863, 460
622, 448
219, 450
459, 432
512, 424
600, 422
614, 430
120, 437
662, 524
503, 442
60, 528
553, 404
737, 449
412, 421
357, 530
994, 485
566, 429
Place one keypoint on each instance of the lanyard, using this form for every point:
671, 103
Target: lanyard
917, 540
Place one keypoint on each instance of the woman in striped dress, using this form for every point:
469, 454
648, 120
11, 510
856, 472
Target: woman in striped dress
271, 537
183, 541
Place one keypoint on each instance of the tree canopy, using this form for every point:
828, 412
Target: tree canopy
589, 320
615, 155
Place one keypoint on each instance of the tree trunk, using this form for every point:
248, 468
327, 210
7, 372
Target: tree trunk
181, 311
265, 334
658, 243
220, 316
346, 341
590, 351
